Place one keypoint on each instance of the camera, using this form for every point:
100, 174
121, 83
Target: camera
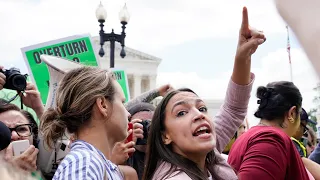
14, 79
146, 125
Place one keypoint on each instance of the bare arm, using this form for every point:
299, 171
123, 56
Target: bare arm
312, 167
150, 95
145, 97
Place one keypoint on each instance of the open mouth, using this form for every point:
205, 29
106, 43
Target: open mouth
202, 130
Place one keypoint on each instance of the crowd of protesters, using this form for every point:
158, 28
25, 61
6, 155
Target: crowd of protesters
177, 140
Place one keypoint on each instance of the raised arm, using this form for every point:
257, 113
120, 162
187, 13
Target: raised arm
234, 109
31, 98
145, 97
149, 95
232, 113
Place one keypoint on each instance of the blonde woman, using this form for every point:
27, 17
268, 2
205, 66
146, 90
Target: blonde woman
90, 104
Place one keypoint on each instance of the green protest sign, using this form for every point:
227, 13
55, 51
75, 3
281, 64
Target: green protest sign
122, 79
75, 48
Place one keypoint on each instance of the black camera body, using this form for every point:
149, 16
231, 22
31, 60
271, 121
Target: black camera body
14, 79
146, 125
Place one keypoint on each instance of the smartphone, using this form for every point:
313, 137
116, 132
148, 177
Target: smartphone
130, 137
20, 147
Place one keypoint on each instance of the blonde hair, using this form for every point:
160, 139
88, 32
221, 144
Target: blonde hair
10, 172
75, 98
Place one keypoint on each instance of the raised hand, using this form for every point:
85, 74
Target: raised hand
32, 99
249, 39
2, 79
137, 129
164, 89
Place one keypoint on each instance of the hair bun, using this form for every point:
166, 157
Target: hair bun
264, 92
261, 91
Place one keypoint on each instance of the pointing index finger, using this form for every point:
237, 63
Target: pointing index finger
245, 20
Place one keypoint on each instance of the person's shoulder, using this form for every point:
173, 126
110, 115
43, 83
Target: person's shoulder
163, 170
179, 176
75, 156
268, 133
80, 163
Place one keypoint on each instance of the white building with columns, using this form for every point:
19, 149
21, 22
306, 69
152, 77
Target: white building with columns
141, 70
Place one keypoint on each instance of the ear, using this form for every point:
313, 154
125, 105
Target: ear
292, 114
166, 138
102, 106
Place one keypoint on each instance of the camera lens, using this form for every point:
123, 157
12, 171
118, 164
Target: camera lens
19, 82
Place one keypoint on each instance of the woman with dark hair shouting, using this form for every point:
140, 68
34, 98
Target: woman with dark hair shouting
184, 142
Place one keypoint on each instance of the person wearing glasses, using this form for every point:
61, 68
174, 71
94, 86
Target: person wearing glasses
302, 131
310, 141
23, 126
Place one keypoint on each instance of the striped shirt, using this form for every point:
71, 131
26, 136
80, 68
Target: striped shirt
85, 162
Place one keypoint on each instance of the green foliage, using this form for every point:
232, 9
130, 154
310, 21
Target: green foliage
312, 112
312, 116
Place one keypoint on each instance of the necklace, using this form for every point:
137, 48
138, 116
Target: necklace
262, 124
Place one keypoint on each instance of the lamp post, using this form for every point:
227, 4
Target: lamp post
124, 17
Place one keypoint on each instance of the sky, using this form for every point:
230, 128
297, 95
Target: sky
196, 40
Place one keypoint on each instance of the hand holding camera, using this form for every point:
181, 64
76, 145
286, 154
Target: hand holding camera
32, 99
137, 129
140, 132
12, 79
2, 78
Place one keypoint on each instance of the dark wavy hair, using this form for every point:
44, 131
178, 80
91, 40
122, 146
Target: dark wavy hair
276, 99
4, 107
158, 152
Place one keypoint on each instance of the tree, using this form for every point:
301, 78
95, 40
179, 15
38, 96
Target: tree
312, 115
317, 98
312, 112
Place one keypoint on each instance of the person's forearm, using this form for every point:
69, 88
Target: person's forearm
39, 111
145, 97
312, 167
241, 74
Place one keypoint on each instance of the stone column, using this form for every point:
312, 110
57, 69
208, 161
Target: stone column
152, 81
137, 85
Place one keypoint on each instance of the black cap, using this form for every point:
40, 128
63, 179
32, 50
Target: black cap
305, 117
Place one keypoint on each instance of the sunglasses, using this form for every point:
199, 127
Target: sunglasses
306, 129
309, 144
